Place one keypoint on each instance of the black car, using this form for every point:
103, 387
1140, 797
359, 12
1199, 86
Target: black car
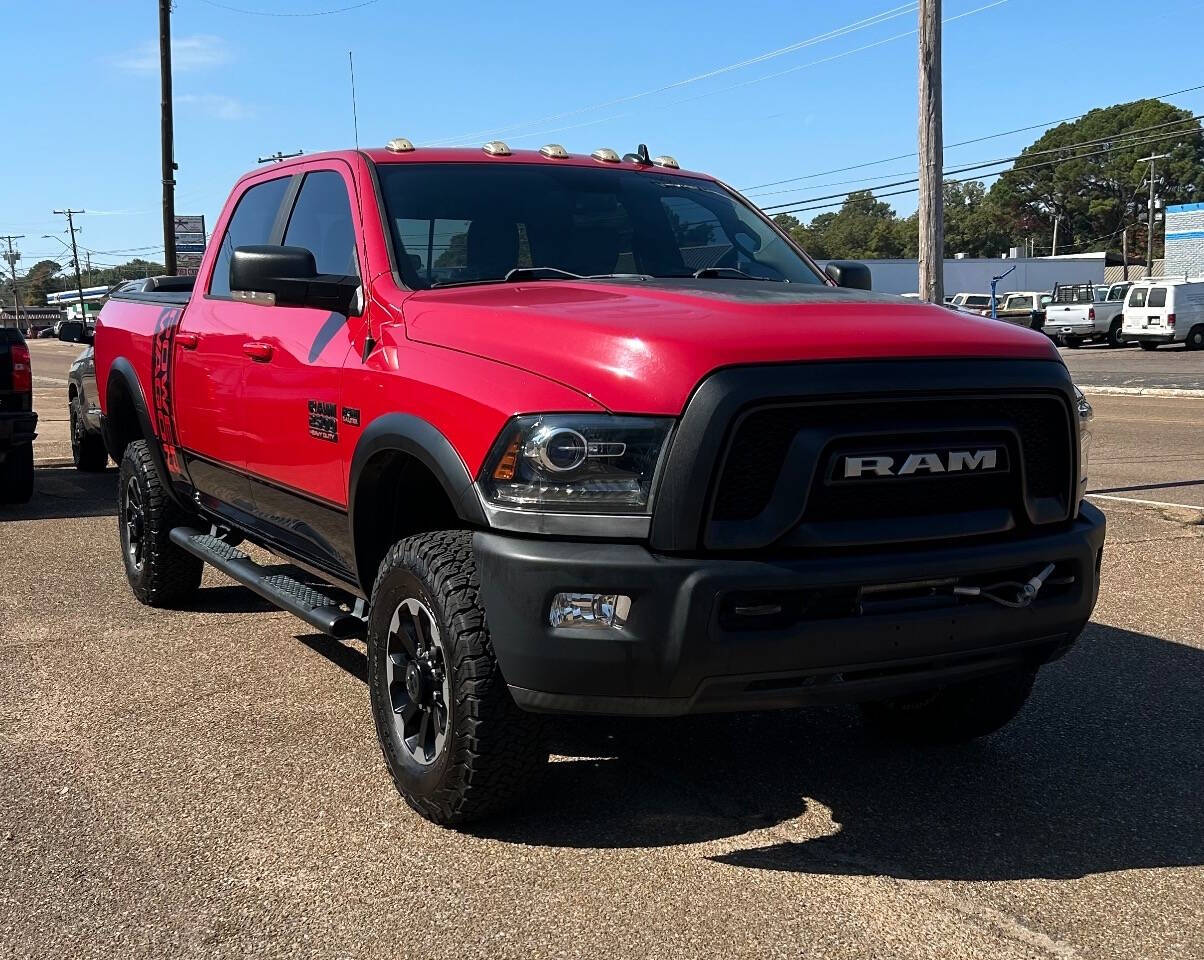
17, 419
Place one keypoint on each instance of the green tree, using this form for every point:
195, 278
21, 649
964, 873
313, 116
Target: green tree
37, 282
1095, 188
974, 225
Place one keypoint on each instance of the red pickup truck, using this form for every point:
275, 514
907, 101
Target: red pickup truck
567, 433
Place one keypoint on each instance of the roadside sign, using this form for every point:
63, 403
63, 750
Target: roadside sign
189, 231
189, 224
188, 264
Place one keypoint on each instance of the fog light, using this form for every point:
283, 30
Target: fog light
589, 610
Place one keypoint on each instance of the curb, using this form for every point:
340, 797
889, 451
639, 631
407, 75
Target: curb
53, 462
1141, 391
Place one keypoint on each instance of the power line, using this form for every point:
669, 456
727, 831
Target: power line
857, 25
1116, 143
950, 146
1031, 166
273, 13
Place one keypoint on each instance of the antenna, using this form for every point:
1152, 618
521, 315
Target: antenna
354, 118
279, 157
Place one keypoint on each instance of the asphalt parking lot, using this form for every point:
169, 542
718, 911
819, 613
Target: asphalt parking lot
206, 782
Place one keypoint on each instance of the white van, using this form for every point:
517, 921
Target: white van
1165, 311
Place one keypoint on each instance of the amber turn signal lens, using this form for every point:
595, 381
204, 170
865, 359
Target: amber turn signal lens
507, 465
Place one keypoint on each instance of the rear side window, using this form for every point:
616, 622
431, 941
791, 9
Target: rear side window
978, 301
1157, 297
1020, 303
1137, 297
252, 223
321, 222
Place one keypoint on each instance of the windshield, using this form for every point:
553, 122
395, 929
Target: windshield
476, 222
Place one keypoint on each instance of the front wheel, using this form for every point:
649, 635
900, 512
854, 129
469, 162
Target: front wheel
87, 448
956, 714
1195, 338
457, 746
1071, 343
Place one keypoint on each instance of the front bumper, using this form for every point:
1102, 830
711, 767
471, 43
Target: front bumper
683, 650
15, 429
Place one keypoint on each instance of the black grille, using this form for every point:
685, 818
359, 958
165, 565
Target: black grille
1043, 452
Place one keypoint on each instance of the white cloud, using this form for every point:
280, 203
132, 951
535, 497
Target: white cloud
215, 105
194, 52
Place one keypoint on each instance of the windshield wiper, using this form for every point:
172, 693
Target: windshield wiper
536, 273
732, 272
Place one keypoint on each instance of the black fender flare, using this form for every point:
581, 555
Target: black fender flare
122, 371
420, 439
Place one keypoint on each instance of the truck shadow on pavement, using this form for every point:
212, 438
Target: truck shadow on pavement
64, 492
1101, 772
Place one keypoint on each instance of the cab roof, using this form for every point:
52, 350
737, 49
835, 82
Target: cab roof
420, 154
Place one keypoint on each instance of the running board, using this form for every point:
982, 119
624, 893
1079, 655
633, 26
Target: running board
279, 585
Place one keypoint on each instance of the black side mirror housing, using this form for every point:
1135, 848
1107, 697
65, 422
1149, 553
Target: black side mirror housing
74, 331
849, 273
290, 276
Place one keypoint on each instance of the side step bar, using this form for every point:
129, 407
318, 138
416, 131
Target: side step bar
279, 585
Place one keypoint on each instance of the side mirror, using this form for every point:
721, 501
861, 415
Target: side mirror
848, 273
288, 277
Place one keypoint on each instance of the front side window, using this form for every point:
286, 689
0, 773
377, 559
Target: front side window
321, 222
1137, 297
251, 224
1157, 297
475, 222
1117, 294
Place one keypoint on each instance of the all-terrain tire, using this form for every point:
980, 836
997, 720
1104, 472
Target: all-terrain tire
955, 714
1195, 338
87, 448
159, 572
492, 752
16, 475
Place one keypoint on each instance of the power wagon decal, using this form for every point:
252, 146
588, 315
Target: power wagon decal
163, 420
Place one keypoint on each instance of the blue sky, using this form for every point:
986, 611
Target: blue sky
84, 89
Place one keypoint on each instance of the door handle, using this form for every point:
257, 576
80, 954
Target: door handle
258, 350
186, 340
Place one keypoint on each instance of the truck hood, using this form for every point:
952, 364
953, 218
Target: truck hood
642, 346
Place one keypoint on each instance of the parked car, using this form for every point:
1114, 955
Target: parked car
1166, 311
1026, 308
83, 410
978, 302
18, 422
1084, 312
590, 434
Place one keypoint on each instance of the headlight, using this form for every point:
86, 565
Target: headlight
1086, 415
576, 463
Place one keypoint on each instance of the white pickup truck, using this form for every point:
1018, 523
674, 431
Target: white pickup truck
1084, 312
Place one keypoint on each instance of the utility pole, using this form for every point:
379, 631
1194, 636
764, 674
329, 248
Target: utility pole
1149, 246
167, 135
12, 257
1124, 249
1054, 250
79, 284
931, 214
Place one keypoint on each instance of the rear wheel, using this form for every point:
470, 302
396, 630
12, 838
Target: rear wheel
456, 744
16, 475
1116, 336
1195, 338
87, 448
1148, 345
955, 714
159, 572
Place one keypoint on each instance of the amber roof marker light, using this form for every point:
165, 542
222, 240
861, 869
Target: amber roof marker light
399, 145
496, 148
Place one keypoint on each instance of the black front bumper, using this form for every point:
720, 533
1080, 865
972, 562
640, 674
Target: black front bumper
684, 650
16, 429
